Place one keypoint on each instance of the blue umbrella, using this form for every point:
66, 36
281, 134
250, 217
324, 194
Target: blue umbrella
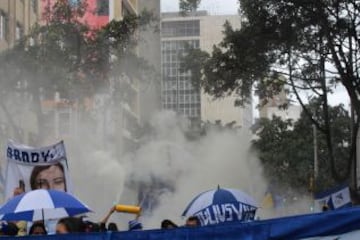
222, 205
42, 204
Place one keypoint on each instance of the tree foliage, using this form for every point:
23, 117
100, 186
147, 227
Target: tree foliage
307, 47
286, 149
64, 54
188, 5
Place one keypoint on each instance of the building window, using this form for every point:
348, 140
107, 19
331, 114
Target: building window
102, 7
34, 5
19, 31
3, 26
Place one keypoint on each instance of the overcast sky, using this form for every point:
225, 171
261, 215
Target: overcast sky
214, 7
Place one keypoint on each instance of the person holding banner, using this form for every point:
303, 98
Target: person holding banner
29, 168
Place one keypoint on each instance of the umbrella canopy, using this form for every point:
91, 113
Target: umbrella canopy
222, 205
42, 204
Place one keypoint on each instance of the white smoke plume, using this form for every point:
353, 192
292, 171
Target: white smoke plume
184, 168
188, 167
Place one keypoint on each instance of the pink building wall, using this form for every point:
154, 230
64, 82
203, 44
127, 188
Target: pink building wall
91, 17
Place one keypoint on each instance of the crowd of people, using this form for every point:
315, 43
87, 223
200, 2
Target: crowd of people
53, 177
80, 225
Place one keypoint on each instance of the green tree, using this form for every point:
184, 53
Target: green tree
188, 5
286, 149
306, 47
65, 55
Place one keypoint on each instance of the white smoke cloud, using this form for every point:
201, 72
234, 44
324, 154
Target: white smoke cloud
190, 167
102, 178
219, 158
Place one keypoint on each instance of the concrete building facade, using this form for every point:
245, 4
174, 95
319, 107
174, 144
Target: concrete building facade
273, 108
199, 30
16, 19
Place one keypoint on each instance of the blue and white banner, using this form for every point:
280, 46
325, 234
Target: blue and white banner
222, 205
341, 224
22, 154
33, 168
334, 198
227, 212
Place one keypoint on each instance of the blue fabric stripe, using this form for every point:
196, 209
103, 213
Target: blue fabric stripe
330, 191
294, 227
223, 196
10, 206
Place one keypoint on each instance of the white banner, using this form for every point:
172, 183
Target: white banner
334, 198
33, 168
341, 198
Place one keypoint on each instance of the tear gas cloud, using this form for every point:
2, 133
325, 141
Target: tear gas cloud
172, 169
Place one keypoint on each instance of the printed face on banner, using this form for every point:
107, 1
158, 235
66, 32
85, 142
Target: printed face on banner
36, 168
48, 177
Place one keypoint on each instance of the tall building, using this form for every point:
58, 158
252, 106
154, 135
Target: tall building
197, 30
17, 17
178, 93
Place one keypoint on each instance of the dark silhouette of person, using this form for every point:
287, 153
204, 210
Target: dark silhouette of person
168, 224
192, 221
9, 229
325, 208
112, 227
90, 226
37, 228
69, 225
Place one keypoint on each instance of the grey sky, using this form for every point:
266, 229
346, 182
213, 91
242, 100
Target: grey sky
214, 7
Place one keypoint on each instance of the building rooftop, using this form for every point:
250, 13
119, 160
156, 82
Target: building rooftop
189, 14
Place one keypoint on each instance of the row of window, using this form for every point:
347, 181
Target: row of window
173, 79
179, 45
180, 28
182, 99
190, 112
178, 85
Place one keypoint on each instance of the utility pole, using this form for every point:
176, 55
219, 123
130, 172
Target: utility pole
316, 162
